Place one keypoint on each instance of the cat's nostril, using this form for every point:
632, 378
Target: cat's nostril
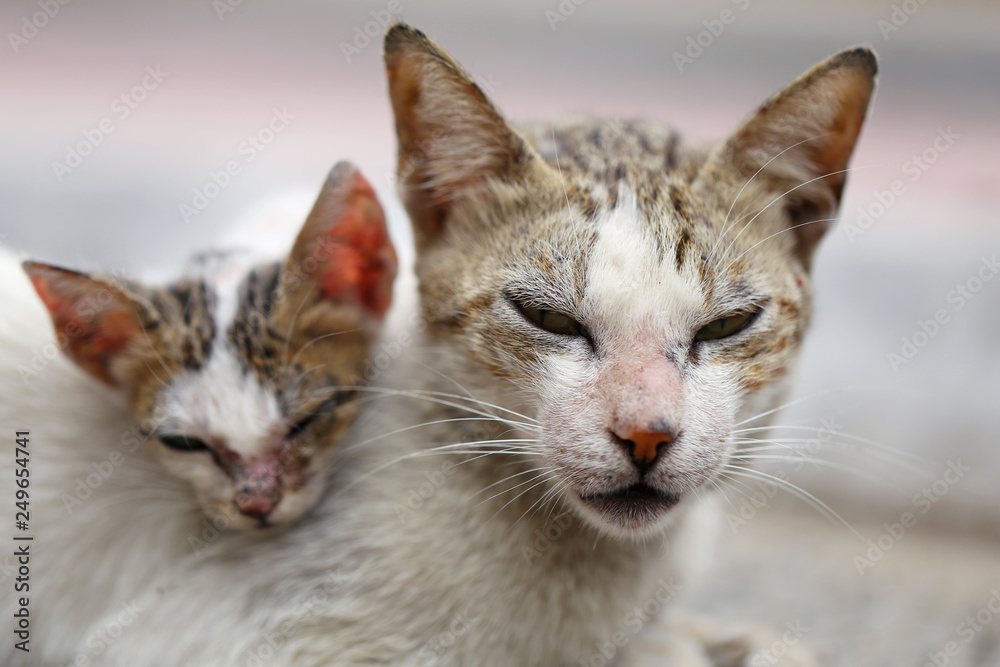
645, 447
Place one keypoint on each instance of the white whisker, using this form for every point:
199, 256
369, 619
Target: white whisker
887, 449
778, 198
809, 498
505, 479
786, 229
545, 472
725, 229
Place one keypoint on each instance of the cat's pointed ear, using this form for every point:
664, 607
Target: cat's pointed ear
343, 254
97, 324
451, 138
799, 142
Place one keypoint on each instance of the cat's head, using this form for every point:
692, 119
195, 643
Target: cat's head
241, 375
638, 290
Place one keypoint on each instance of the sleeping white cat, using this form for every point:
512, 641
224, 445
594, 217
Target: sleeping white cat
214, 403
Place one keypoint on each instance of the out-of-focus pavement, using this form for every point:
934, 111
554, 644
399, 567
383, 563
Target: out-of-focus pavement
227, 72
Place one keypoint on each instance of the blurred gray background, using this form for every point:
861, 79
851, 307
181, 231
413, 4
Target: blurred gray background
892, 266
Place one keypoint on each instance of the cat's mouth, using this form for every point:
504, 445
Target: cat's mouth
634, 506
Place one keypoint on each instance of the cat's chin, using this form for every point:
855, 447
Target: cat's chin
632, 511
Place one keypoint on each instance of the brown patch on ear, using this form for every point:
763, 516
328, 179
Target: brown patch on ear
816, 121
343, 255
95, 321
824, 109
451, 138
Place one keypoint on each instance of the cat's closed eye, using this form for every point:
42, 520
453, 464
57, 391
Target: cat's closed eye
326, 408
551, 320
724, 327
183, 443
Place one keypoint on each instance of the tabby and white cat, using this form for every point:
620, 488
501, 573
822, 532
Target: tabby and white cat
226, 375
601, 304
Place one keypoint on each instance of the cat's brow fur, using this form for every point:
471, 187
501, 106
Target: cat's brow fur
183, 322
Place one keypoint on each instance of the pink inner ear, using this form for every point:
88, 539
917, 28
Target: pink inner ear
91, 336
362, 260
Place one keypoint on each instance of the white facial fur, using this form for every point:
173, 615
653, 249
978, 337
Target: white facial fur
230, 408
643, 315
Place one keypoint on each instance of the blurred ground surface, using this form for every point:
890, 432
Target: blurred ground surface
119, 210
928, 590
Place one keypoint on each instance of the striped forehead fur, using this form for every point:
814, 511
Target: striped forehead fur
202, 312
631, 283
644, 175
216, 392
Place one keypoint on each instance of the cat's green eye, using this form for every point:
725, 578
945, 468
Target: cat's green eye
183, 443
725, 326
552, 321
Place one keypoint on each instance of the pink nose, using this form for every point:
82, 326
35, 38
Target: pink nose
259, 490
256, 503
646, 397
